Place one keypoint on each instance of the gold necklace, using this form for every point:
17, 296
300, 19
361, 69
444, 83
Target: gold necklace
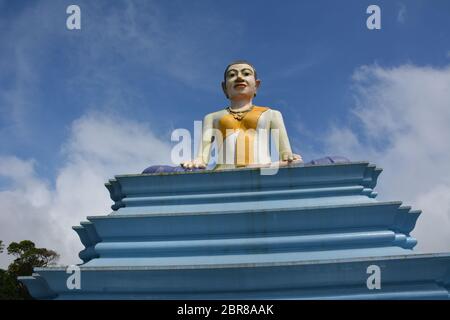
239, 115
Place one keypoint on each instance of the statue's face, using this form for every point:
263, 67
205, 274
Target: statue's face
240, 82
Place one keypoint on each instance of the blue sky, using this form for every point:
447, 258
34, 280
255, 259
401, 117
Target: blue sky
139, 69
305, 53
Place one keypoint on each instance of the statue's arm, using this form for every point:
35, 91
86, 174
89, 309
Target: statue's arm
205, 145
282, 144
206, 141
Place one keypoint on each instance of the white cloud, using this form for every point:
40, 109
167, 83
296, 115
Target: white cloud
25, 205
402, 124
99, 146
114, 42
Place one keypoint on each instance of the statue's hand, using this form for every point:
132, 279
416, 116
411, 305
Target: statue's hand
198, 164
292, 157
297, 158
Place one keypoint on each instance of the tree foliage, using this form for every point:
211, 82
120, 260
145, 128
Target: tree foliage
10, 287
27, 258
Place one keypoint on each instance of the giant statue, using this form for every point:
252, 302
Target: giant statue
312, 231
242, 131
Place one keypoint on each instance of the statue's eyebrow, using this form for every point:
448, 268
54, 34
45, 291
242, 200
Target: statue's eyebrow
245, 69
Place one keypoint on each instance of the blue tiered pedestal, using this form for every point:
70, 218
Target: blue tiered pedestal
308, 232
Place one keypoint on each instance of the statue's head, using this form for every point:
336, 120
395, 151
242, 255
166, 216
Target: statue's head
240, 80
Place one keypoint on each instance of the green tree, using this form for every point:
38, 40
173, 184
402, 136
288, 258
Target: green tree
10, 287
27, 258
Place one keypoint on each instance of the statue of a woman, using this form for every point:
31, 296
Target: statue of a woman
242, 130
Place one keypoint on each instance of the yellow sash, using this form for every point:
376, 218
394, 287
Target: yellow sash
244, 154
